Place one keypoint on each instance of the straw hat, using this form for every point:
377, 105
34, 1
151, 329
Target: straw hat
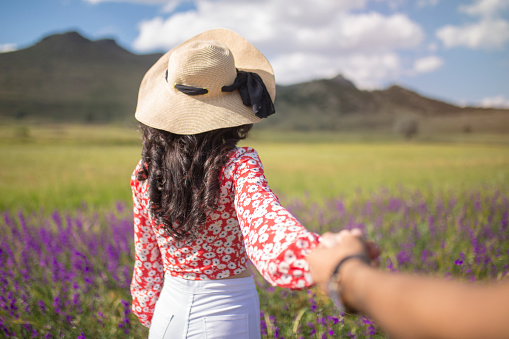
206, 62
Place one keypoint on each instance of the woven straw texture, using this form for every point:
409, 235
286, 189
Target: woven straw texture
208, 60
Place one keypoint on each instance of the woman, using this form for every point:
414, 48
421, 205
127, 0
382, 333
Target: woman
202, 206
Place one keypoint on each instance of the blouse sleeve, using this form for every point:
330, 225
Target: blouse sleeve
148, 272
275, 241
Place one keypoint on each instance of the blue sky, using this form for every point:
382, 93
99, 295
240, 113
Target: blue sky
453, 50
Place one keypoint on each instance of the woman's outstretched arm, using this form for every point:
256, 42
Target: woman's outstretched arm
412, 306
275, 241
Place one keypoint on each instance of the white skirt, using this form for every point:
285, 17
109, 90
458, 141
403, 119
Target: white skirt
206, 309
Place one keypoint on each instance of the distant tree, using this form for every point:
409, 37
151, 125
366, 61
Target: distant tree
90, 118
408, 127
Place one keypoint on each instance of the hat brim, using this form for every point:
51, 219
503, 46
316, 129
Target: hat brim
161, 106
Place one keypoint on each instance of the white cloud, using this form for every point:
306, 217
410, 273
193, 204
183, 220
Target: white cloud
366, 71
280, 26
495, 102
487, 34
303, 39
262, 22
428, 64
374, 32
432, 47
490, 32
4, 48
485, 8
170, 6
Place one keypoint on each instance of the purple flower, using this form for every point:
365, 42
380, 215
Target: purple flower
403, 257
72, 261
333, 319
263, 324
313, 306
42, 306
460, 260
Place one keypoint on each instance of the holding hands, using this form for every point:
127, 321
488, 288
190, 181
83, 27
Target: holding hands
406, 305
337, 246
337, 252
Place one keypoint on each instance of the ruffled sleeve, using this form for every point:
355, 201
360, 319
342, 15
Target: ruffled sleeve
148, 272
275, 241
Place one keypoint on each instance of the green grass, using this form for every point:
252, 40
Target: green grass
64, 166
64, 176
344, 169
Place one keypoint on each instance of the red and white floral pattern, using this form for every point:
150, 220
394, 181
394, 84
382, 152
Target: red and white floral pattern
249, 224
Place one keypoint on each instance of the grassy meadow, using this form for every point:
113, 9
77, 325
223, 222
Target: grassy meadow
66, 166
437, 204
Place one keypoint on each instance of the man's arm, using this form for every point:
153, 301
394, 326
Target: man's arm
411, 306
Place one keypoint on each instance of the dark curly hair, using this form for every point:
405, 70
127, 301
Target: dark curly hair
183, 175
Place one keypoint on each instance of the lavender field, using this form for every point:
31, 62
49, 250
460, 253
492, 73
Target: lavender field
66, 273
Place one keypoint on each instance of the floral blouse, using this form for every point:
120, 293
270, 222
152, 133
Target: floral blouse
249, 224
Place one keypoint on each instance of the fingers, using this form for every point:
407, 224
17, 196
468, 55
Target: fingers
348, 237
330, 239
336, 246
357, 232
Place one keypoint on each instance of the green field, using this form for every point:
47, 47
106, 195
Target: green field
436, 205
66, 166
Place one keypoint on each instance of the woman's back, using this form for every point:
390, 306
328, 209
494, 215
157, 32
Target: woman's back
249, 223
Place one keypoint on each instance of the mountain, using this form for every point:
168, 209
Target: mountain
68, 78
337, 104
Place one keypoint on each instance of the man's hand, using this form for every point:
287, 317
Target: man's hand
333, 248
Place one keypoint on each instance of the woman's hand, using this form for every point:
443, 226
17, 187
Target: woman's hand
336, 246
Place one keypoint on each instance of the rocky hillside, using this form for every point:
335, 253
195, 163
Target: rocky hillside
68, 78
